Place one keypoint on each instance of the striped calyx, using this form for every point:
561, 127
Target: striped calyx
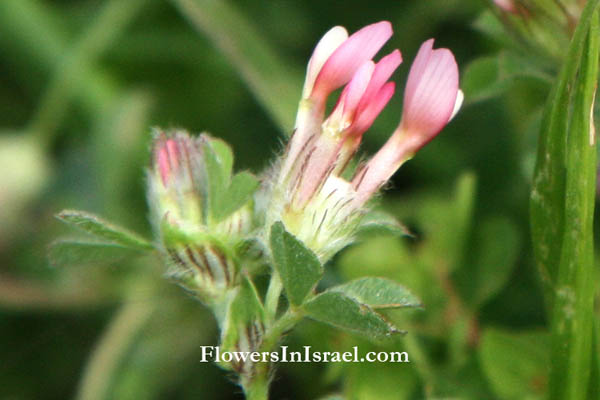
198, 224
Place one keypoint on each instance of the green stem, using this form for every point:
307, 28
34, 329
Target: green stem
272, 297
256, 386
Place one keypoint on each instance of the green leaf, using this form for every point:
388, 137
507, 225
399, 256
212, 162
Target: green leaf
594, 390
451, 244
242, 186
493, 261
104, 230
70, 252
223, 155
225, 195
490, 76
515, 364
378, 293
274, 83
562, 208
573, 313
379, 223
299, 268
548, 189
343, 312
218, 173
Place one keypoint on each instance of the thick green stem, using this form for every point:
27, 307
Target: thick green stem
256, 386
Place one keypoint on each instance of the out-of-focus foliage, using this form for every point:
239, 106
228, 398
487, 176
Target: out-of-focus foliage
82, 83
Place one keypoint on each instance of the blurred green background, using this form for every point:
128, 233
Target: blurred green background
81, 84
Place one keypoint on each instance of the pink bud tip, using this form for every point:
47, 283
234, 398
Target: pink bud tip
166, 158
431, 92
350, 56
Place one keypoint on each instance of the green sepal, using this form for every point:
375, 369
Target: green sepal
242, 324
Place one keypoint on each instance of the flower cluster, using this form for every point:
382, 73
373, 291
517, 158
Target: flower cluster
315, 189
309, 192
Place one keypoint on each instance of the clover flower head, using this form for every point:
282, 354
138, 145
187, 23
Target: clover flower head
311, 194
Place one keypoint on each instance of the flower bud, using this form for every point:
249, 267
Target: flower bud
199, 249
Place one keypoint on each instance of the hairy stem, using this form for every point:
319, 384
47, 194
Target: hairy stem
256, 385
272, 297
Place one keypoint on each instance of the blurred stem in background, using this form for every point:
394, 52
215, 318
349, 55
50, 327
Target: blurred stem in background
110, 349
75, 65
275, 84
562, 211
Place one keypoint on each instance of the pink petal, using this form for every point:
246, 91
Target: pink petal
367, 116
356, 88
431, 92
383, 71
166, 158
349, 56
417, 70
164, 168
326, 46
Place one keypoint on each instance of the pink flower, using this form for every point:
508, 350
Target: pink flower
310, 195
337, 67
431, 98
333, 63
319, 147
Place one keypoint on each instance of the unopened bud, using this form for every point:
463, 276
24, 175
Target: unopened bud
199, 249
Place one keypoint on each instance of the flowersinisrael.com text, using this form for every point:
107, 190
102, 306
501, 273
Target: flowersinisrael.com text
214, 353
